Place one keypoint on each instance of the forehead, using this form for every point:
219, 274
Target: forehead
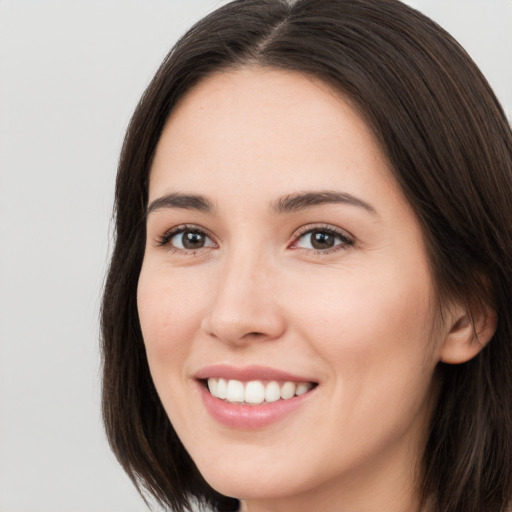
262, 127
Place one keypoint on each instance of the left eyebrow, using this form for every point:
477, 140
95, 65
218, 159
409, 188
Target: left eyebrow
303, 200
180, 201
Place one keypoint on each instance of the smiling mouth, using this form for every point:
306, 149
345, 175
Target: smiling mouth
255, 392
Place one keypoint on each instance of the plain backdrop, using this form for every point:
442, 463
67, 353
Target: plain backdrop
71, 73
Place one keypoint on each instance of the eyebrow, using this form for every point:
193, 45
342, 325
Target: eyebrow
181, 201
286, 204
303, 200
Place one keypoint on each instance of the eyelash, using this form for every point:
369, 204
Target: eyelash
164, 240
345, 239
341, 235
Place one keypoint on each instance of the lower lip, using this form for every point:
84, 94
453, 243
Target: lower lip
250, 417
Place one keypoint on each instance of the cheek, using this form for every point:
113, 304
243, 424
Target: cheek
169, 307
370, 321
375, 334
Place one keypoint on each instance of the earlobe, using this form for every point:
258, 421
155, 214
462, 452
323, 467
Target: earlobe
469, 333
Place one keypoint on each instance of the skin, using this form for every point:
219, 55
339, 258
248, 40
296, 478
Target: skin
358, 318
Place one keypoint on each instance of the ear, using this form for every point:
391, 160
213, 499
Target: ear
469, 332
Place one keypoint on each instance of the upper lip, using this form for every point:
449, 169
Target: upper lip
248, 373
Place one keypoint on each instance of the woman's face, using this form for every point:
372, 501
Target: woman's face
284, 264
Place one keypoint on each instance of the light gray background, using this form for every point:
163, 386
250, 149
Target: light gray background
71, 73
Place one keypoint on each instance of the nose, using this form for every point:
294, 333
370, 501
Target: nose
244, 307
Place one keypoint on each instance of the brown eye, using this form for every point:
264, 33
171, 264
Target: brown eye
190, 240
322, 240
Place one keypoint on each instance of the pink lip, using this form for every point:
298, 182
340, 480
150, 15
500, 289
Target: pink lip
247, 373
249, 417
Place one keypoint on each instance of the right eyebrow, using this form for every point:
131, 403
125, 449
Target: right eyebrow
304, 200
180, 201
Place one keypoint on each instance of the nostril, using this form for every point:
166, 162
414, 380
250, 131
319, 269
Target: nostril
239, 324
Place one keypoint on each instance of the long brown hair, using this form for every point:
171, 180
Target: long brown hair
450, 147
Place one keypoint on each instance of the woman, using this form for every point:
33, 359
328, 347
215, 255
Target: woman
308, 305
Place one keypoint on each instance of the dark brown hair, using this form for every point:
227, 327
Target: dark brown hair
450, 147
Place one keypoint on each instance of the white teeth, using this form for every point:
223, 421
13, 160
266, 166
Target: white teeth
213, 385
288, 390
222, 389
272, 392
302, 387
256, 392
235, 391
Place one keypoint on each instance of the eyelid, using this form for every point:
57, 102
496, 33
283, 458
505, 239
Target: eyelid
347, 239
164, 239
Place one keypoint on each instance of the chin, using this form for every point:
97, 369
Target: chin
250, 479
250, 487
